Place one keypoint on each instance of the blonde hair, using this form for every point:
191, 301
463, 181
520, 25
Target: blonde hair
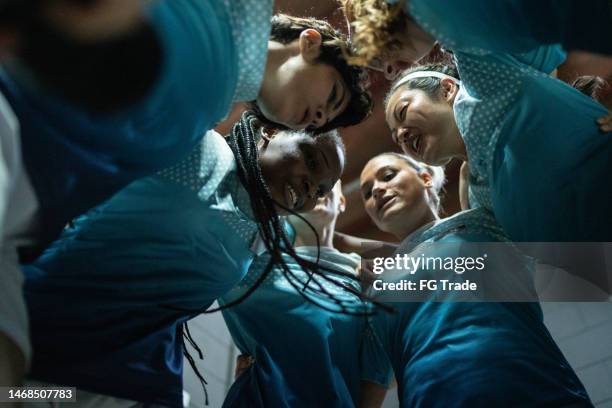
372, 26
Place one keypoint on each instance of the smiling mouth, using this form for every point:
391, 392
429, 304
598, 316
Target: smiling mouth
291, 197
385, 203
415, 142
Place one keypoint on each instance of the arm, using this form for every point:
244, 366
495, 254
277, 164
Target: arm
367, 248
515, 26
372, 395
464, 185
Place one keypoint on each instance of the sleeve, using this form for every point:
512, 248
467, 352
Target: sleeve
375, 364
516, 26
544, 58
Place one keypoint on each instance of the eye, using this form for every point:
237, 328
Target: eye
403, 113
389, 174
320, 192
367, 194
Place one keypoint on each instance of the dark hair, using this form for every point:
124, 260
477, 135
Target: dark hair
429, 85
286, 29
103, 76
242, 141
595, 87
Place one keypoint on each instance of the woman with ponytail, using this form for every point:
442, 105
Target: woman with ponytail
107, 301
533, 143
450, 347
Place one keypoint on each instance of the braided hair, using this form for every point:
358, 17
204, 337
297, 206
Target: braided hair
242, 141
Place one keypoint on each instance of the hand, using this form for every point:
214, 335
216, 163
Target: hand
243, 362
605, 123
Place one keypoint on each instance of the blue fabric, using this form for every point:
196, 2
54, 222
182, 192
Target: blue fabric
107, 299
535, 150
304, 356
76, 160
474, 354
515, 26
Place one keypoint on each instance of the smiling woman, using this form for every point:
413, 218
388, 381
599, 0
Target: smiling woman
161, 251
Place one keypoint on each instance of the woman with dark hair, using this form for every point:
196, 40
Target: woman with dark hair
533, 143
305, 351
453, 347
160, 252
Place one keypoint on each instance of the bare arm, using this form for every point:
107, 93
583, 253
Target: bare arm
367, 248
372, 395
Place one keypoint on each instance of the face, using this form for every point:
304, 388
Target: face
299, 169
394, 195
98, 20
423, 127
413, 43
303, 93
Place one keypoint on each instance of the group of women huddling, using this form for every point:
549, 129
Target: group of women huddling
248, 219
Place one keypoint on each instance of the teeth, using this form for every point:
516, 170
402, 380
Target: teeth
294, 197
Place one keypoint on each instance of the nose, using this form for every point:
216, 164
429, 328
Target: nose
378, 190
320, 117
400, 136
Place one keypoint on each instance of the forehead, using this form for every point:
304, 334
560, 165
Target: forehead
374, 165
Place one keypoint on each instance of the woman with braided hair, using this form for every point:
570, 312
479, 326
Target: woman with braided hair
160, 252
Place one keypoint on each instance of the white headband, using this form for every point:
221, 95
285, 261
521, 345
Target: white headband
425, 74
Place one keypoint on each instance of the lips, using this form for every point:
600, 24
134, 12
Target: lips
291, 197
385, 202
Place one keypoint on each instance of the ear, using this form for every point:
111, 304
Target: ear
449, 90
267, 134
426, 178
310, 44
341, 203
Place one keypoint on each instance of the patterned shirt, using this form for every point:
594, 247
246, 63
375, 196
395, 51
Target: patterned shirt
250, 20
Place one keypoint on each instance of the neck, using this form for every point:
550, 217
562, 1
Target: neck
406, 229
305, 236
278, 54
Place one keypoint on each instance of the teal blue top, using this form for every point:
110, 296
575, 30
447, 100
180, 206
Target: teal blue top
111, 294
473, 354
305, 356
515, 26
214, 54
536, 154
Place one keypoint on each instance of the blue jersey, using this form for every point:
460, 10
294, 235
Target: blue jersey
462, 353
107, 299
535, 150
305, 356
515, 26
